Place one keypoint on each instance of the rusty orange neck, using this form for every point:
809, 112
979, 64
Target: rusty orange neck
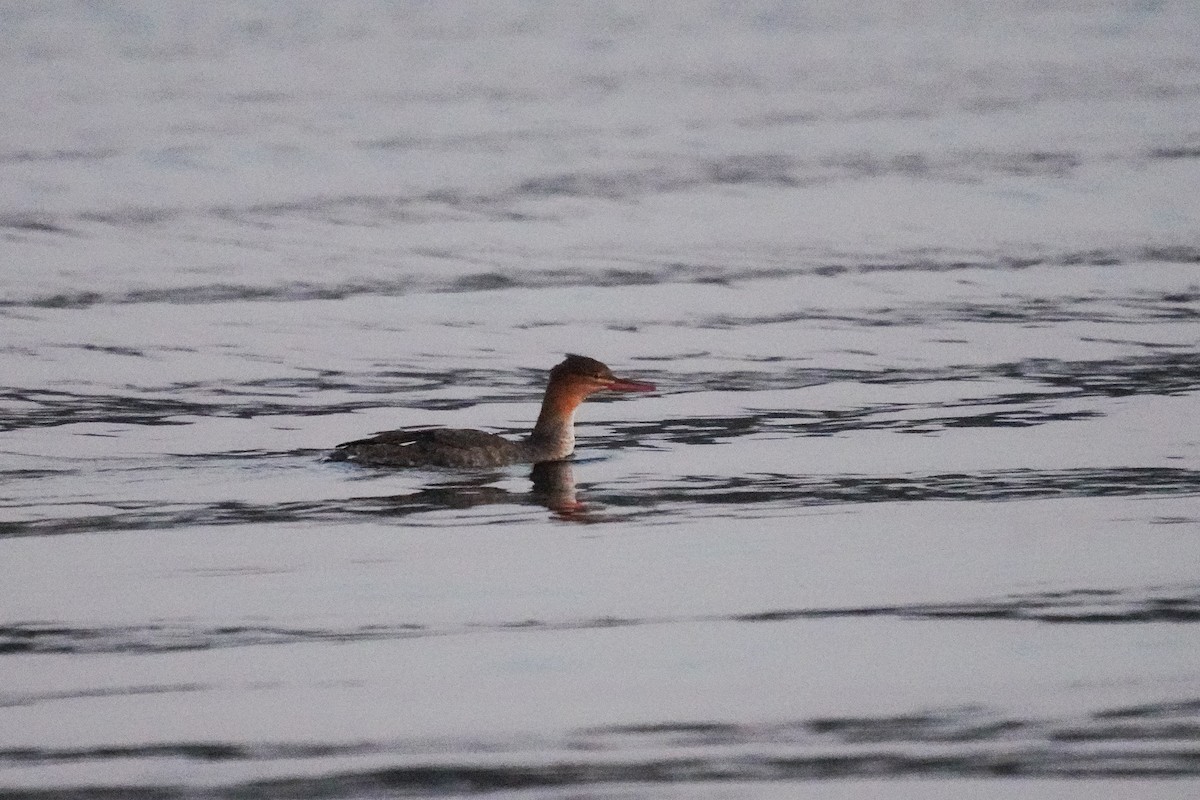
560, 402
555, 426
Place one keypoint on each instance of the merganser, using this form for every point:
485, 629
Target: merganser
552, 439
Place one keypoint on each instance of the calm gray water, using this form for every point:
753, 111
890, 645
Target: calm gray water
913, 513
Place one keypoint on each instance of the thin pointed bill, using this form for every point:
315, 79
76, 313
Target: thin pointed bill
626, 385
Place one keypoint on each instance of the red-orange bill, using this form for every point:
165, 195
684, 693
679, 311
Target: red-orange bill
626, 385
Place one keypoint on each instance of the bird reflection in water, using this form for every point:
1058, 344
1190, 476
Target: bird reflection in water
553, 487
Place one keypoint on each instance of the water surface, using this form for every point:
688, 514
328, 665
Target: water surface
915, 504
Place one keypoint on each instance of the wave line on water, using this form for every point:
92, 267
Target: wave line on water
1178, 604
651, 502
645, 272
1153, 740
1052, 383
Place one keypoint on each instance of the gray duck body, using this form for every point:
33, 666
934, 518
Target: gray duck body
445, 447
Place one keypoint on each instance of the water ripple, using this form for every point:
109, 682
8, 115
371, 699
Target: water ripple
1177, 604
741, 495
646, 273
1157, 740
1160, 373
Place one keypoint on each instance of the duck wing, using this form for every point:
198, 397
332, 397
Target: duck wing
431, 447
